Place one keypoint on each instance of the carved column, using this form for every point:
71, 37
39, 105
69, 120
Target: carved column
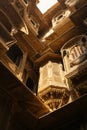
22, 65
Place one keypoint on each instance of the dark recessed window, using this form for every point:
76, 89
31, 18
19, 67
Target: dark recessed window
15, 54
30, 83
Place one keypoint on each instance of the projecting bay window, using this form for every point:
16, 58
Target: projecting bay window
74, 53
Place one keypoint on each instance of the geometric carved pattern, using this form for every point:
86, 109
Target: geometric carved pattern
54, 97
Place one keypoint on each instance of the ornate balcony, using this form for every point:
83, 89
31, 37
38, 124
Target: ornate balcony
51, 88
62, 20
74, 54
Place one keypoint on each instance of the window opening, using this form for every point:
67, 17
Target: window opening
15, 54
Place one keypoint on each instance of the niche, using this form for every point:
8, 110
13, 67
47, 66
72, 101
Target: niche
15, 54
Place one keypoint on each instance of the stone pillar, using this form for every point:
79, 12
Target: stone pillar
22, 65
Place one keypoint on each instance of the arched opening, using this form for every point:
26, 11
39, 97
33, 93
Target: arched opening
15, 54
30, 83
